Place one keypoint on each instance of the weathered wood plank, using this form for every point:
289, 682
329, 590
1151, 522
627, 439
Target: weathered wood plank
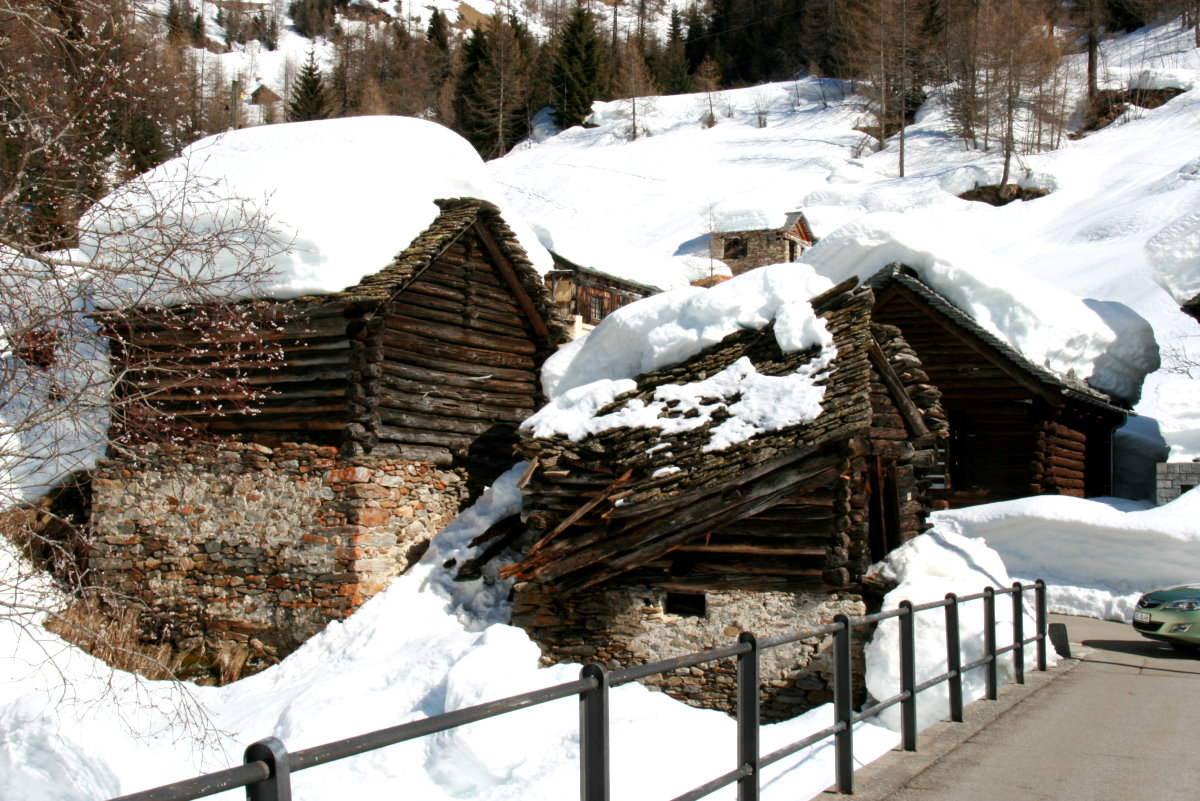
399, 344
458, 335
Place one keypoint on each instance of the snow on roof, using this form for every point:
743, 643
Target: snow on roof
589, 374
1105, 344
1173, 254
345, 196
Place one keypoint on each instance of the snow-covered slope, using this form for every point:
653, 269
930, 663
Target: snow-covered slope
1067, 279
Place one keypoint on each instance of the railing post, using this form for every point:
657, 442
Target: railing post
747, 717
954, 658
908, 675
593, 735
989, 642
277, 786
843, 706
1019, 631
1039, 594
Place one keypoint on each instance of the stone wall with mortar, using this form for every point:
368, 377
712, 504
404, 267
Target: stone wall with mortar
621, 625
241, 545
1172, 479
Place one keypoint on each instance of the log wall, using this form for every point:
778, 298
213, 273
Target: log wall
456, 364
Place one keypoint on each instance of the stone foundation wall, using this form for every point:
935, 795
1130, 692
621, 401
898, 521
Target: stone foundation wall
1172, 478
244, 545
625, 625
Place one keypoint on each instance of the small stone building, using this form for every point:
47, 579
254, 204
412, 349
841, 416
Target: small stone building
640, 547
745, 250
1015, 428
250, 513
585, 296
1172, 479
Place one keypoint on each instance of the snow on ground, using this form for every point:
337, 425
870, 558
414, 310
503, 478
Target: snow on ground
1097, 555
341, 205
1066, 278
70, 730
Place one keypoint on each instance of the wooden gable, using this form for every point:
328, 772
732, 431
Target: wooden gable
1016, 429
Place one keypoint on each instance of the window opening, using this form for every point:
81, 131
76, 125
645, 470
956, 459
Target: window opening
735, 248
685, 604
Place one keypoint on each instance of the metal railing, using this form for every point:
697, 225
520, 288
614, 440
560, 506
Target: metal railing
268, 765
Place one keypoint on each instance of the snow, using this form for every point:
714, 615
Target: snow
371, 672
344, 197
1075, 280
1066, 279
672, 327
590, 373
926, 569
1097, 555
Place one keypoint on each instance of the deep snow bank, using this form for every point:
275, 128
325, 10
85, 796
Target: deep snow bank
1097, 556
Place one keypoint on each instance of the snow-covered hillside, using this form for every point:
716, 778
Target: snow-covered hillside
1066, 278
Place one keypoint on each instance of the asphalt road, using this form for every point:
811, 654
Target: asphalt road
1120, 724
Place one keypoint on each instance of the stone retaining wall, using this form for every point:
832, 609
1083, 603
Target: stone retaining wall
625, 625
1173, 478
240, 545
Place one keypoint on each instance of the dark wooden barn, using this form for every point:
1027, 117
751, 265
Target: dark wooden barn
628, 532
585, 296
1016, 429
434, 358
745, 250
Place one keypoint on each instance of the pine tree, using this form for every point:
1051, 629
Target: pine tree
308, 94
580, 71
438, 31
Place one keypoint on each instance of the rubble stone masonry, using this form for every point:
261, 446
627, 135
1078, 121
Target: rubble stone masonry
245, 545
622, 625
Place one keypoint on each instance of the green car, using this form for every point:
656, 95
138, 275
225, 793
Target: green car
1171, 615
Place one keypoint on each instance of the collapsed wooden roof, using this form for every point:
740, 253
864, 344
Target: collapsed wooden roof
623, 497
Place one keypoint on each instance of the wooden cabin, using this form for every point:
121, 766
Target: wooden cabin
641, 546
745, 250
585, 296
434, 358
293, 456
1016, 429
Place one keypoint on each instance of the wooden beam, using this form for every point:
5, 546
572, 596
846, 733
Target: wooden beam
908, 410
535, 319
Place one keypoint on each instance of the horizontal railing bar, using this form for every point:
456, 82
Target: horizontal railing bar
625, 675
353, 746
931, 605
1006, 649
206, 785
977, 663
786, 639
979, 596
879, 706
866, 620
716, 784
935, 681
812, 739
